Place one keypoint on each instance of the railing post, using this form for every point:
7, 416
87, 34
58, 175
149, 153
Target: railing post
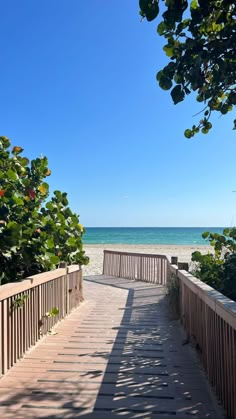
81, 290
141, 268
39, 309
183, 266
5, 338
66, 297
174, 260
67, 291
120, 267
103, 267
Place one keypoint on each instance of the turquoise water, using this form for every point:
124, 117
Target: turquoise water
147, 235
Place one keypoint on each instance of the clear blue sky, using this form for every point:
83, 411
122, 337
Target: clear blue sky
78, 85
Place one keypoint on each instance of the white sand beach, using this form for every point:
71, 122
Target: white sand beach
95, 253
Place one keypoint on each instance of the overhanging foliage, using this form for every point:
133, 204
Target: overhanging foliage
201, 39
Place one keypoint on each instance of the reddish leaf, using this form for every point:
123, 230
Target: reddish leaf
31, 193
2, 192
17, 150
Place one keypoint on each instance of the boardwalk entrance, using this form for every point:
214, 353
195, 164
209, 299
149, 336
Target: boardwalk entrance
117, 355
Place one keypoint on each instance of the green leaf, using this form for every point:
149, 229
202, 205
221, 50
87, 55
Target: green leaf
177, 78
19, 201
149, 9
196, 256
52, 313
226, 231
205, 235
168, 50
188, 133
19, 302
200, 98
5, 142
54, 259
224, 109
55, 311
50, 243
71, 242
50, 206
186, 23
164, 82
12, 175
177, 94
58, 195
13, 225
194, 4
161, 28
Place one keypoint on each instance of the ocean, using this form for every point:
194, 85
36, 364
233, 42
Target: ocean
148, 235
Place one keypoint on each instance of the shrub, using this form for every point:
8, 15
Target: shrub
228, 276
218, 269
35, 233
208, 268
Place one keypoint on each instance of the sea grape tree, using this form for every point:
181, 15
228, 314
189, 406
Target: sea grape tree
200, 44
218, 268
35, 233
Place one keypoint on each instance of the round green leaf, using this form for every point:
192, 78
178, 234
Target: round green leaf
161, 28
188, 133
12, 175
177, 94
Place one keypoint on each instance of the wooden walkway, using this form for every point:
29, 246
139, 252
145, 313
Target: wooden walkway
117, 355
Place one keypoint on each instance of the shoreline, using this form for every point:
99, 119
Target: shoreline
95, 253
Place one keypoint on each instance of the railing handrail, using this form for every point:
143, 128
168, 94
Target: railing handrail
13, 288
219, 303
151, 255
73, 268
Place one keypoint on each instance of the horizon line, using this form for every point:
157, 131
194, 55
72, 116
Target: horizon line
157, 227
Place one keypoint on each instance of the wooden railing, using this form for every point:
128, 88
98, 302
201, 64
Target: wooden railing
208, 317
210, 321
139, 266
26, 310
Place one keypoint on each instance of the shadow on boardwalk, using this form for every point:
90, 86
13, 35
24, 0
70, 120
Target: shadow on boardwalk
124, 357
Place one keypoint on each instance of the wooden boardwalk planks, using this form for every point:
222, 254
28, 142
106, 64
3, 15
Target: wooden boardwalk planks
118, 354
